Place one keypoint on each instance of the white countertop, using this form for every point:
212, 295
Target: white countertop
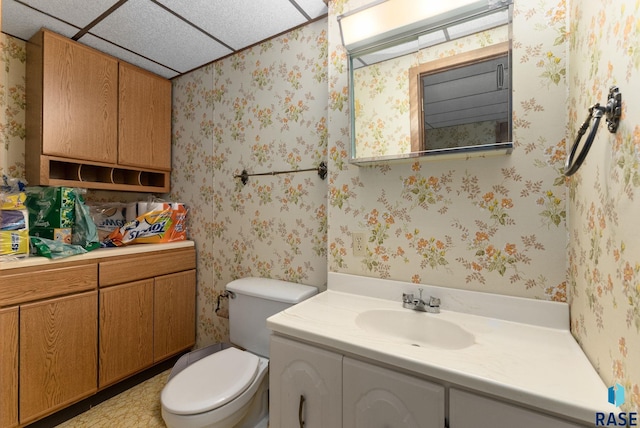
95, 254
523, 354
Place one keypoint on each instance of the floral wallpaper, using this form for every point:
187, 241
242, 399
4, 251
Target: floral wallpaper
514, 225
604, 195
262, 110
12, 106
484, 224
507, 224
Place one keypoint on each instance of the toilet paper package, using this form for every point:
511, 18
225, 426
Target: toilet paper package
14, 243
14, 233
108, 216
51, 206
14, 220
166, 222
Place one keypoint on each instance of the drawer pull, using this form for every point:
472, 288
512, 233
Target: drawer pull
301, 411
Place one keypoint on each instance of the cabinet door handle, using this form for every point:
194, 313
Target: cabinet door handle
500, 76
301, 410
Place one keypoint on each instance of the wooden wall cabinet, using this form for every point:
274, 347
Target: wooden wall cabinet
94, 121
144, 131
69, 329
78, 94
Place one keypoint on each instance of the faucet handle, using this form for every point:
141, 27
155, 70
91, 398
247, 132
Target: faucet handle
407, 298
434, 302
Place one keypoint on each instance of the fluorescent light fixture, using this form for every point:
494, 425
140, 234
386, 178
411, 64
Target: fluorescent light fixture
390, 53
381, 22
479, 24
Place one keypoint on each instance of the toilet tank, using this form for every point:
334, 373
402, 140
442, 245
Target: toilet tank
253, 301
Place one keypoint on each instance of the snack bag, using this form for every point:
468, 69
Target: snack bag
154, 227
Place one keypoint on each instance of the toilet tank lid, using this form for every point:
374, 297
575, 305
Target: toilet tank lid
272, 289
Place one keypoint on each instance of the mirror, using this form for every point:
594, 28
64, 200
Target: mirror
411, 99
462, 100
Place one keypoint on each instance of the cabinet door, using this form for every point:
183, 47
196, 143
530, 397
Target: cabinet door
9, 367
145, 119
174, 314
305, 386
375, 397
79, 101
58, 353
467, 410
126, 330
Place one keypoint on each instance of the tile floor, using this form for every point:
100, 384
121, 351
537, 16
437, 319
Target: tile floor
138, 407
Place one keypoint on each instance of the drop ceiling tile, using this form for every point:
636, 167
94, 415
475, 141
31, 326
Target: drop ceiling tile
75, 12
23, 22
127, 56
147, 29
239, 23
313, 8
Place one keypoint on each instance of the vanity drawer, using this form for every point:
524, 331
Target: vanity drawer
34, 285
136, 267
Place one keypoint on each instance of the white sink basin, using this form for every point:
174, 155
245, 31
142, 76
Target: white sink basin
415, 328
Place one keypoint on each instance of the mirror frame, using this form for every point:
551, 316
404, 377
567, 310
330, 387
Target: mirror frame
464, 152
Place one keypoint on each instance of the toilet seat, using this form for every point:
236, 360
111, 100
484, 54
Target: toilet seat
211, 382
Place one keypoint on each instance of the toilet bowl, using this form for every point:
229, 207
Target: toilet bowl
225, 389
230, 388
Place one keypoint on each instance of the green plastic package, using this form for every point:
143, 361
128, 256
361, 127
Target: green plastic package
85, 233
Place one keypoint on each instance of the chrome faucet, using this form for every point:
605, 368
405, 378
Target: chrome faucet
417, 304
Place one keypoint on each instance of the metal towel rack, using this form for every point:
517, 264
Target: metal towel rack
322, 172
612, 111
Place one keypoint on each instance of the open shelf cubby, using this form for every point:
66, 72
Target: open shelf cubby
65, 172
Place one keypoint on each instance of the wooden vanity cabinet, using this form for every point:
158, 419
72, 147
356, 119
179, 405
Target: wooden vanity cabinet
126, 330
69, 329
94, 121
147, 311
49, 322
58, 353
174, 313
9, 367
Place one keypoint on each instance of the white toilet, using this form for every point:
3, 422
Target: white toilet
230, 388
